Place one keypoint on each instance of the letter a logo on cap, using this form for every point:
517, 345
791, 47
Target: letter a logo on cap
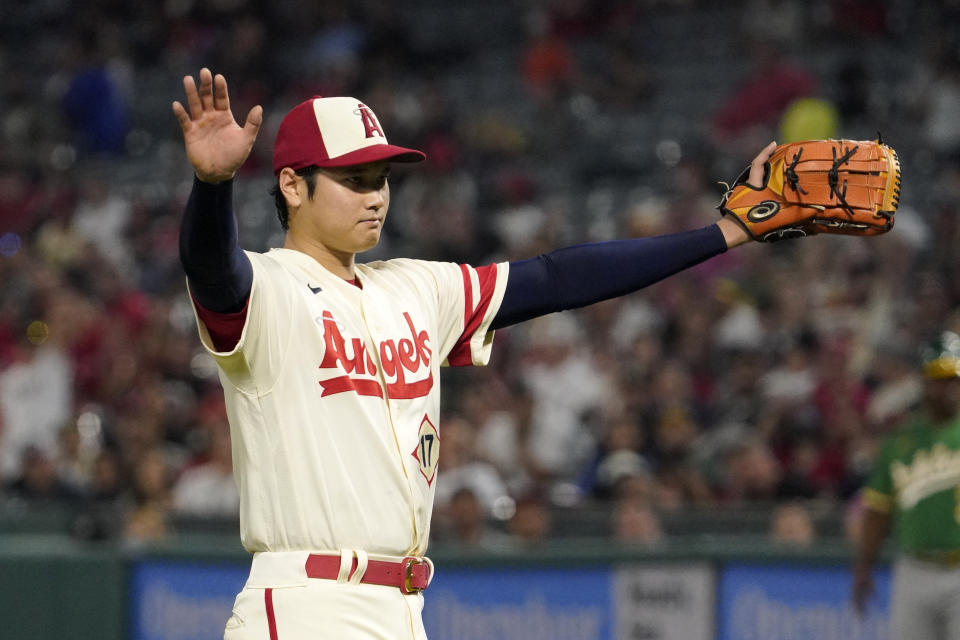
325, 132
370, 123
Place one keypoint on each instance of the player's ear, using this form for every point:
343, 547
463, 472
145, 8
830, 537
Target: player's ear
290, 187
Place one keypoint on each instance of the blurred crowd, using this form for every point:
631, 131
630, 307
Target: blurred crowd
764, 376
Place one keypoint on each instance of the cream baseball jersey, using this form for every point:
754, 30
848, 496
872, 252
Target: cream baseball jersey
333, 397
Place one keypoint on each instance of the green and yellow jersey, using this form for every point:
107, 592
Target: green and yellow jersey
916, 478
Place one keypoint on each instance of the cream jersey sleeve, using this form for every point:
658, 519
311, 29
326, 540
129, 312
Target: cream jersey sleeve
466, 300
266, 332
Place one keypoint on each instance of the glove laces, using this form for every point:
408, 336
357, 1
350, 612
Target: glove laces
833, 177
791, 173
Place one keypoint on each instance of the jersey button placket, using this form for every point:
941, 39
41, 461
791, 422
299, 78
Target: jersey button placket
371, 318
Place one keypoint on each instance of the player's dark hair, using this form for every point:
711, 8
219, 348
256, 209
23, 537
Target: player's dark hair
309, 175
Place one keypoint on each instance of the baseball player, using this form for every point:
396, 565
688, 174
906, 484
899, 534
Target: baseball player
914, 489
331, 368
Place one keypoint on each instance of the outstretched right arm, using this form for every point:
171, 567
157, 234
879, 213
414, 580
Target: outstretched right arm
577, 276
218, 271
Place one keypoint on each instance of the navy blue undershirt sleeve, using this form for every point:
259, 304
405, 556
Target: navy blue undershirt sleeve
218, 270
584, 274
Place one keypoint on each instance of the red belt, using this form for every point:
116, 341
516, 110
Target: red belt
410, 575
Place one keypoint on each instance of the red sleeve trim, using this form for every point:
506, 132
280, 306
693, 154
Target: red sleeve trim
460, 355
225, 329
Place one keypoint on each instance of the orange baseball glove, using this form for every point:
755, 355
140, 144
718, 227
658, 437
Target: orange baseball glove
849, 187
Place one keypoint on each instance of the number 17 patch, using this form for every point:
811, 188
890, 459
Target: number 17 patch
427, 451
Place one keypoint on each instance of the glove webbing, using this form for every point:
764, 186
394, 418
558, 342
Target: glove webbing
833, 177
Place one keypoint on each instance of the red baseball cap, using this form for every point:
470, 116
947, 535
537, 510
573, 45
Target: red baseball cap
334, 132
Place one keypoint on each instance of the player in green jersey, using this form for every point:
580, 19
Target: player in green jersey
914, 490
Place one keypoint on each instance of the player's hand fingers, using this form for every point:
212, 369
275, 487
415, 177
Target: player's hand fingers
193, 98
221, 96
181, 115
206, 89
758, 166
254, 119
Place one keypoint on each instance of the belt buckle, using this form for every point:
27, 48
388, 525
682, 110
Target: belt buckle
406, 569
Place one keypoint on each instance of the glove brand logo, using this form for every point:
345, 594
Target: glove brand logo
397, 359
370, 124
787, 233
763, 211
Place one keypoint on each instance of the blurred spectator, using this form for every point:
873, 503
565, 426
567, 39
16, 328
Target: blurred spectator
853, 84
36, 398
93, 104
634, 521
802, 461
245, 58
567, 387
523, 225
619, 456
437, 207
574, 19
531, 523
791, 525
108, 480
680, 483
792, 382
735, 398
459, 467
673, 415
389, 44
859, 17
146, 523
103, 517
549, 68
76, 457
752, 472
465, 522
941, 103
780, 20
691, 201
148, 519
207, 488
503, 414
337, 43
21, 200
624, 81
749, 115
101, 218
39, 482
